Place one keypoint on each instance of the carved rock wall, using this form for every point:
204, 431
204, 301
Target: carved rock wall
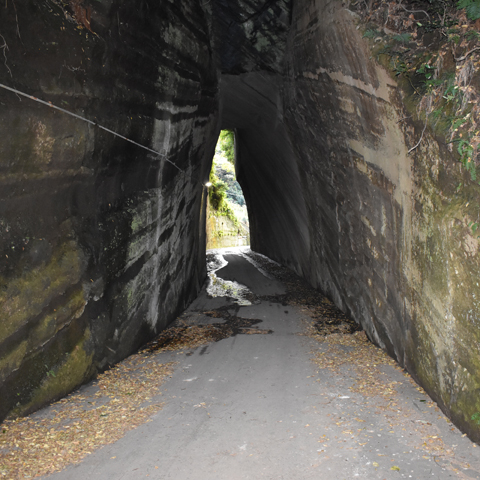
101, 242
333, 192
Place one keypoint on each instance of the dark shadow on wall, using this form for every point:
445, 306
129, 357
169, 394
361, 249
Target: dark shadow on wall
266, 167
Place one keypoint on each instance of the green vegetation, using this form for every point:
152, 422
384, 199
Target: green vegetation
217, 191
25, 297
62, 378
472, 8
218, 197
226, 142
442, 89
226, 174
225, 192
433, 49
476, 418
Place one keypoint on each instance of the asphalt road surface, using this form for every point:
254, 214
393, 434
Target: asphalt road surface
255, 406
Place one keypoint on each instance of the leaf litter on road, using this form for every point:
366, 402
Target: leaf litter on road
345, 351
126, 396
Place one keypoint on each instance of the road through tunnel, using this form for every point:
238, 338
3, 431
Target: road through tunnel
263, 162
103, 240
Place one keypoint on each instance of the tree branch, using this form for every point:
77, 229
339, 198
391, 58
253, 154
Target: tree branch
415, 11
461, 59
421, 136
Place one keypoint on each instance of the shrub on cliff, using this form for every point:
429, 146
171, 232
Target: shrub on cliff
227, 144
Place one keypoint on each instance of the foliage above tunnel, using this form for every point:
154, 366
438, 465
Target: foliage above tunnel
226, 142
433, 49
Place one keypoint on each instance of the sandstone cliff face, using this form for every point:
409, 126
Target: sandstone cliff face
222, 231
101, 241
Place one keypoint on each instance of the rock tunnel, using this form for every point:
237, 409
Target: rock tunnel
103, 240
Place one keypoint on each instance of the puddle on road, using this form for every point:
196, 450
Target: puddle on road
218, 287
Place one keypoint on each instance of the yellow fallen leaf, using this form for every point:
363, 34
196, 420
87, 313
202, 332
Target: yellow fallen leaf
395, 468
375, 464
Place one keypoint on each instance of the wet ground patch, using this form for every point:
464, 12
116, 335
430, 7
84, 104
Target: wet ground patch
327, 318
218, 287
189, 331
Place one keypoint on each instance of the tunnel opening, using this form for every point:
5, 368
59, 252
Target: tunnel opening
227, 222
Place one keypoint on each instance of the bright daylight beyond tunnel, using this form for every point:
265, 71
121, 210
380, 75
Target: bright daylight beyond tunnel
227, 216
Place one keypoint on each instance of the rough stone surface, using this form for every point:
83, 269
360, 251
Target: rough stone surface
389, 235
332, 191
265, 166
250, 35
101, 241
221, 231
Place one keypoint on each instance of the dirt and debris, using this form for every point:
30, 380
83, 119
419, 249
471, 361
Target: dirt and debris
127, 396
46, 442
345, 351
365, 367
327, 318
182, 335
365, 358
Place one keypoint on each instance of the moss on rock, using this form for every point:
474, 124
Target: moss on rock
26, 296
62, 378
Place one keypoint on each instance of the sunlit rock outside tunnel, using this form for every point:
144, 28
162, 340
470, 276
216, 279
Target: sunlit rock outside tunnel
227, 215
347, 181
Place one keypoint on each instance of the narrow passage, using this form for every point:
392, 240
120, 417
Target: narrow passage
286, 388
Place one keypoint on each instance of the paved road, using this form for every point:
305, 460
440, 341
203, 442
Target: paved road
255, 406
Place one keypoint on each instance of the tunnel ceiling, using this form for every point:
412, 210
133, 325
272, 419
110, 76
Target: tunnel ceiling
103, 241
250, 36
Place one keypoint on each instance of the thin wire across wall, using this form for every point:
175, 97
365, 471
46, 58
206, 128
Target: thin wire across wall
91, 122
